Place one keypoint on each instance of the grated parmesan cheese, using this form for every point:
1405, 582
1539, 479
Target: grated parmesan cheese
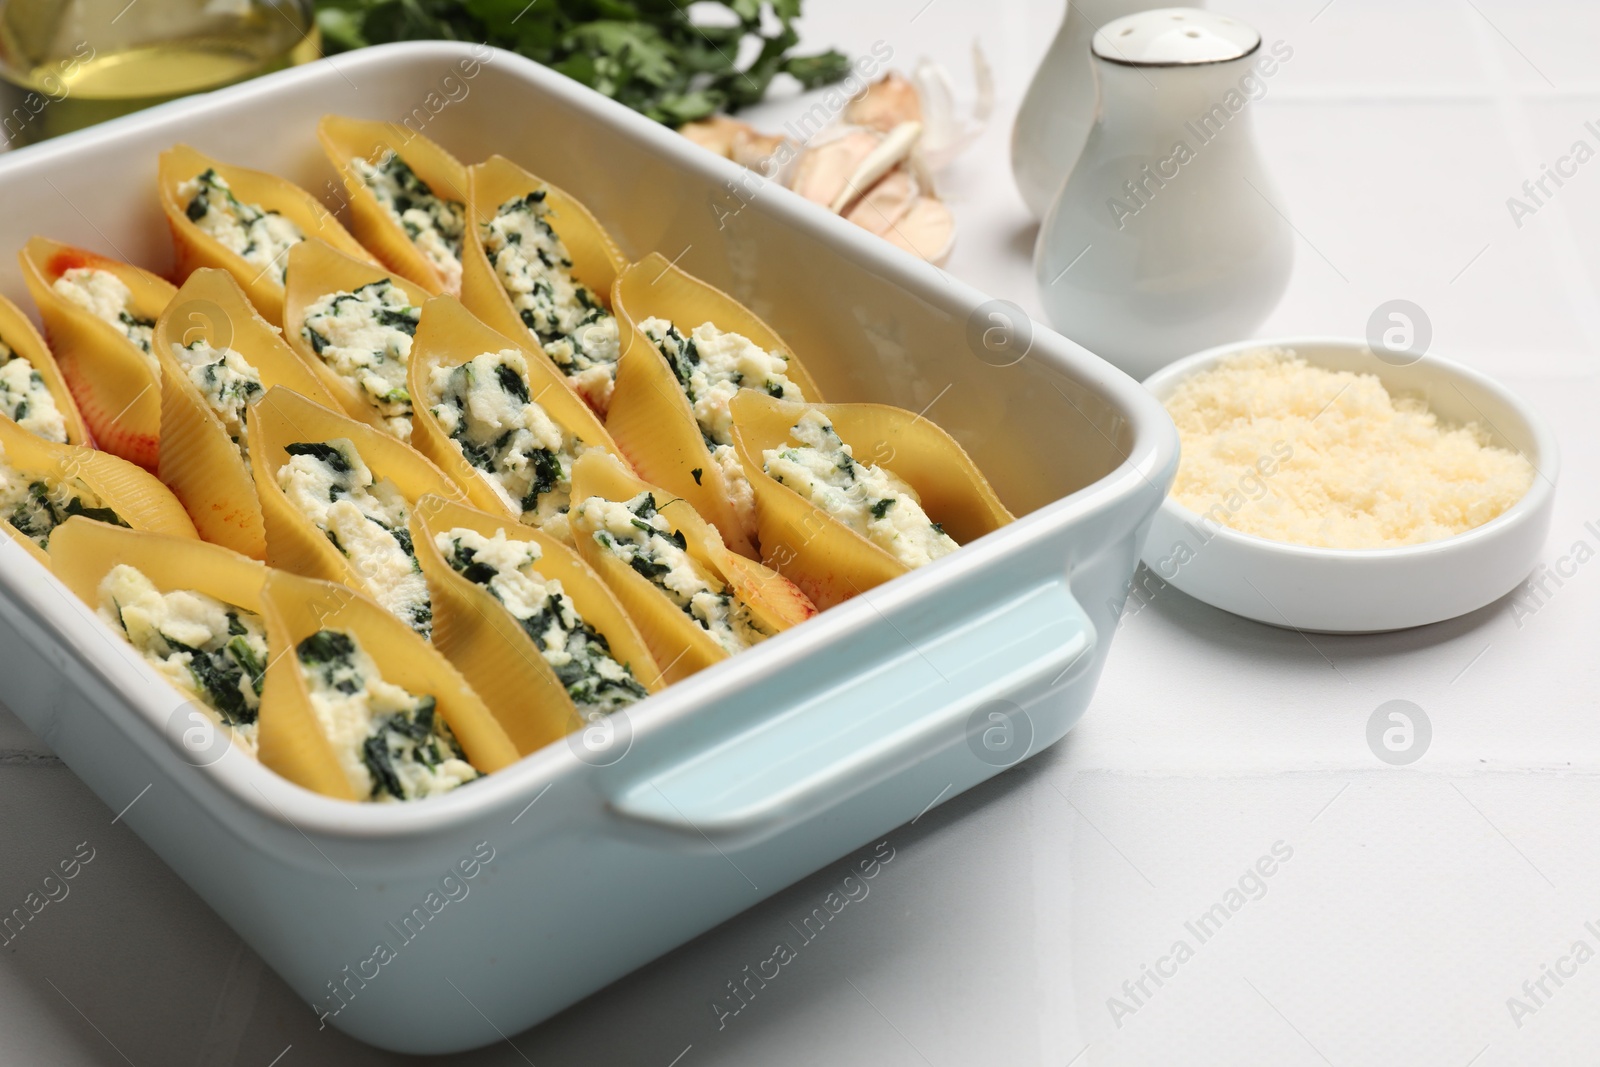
1290, 452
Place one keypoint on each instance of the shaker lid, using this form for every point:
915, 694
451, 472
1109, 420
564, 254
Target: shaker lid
1174, 37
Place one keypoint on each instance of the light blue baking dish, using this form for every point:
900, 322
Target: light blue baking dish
501, 904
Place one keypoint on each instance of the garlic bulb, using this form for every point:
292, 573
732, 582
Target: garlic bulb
874, 166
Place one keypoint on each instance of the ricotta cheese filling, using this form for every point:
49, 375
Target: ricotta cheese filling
434, 225
226, 382
578, 653
212, 652
260, 237
569, 321
26, 400
485, 407
365, 338
711, 367
106, 297
873, 502
638, 535
391, 743
365, 518
34, 507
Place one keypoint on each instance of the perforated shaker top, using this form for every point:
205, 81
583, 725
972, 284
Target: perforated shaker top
1174, 37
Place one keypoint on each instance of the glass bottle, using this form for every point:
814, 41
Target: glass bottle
78, 62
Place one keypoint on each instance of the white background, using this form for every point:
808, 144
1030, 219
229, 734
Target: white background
1417, 899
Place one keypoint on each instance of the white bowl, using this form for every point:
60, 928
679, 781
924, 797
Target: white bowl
1365, 590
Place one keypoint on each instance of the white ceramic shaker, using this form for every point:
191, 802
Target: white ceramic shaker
1168, 236
1059, 107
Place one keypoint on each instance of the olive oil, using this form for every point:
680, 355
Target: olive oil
85, 61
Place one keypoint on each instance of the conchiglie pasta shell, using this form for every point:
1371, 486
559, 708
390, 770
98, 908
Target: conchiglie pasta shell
489, 646
315, 270
294, 543
825, 558
83, 552
194, 248
199, 461
775, 601
344, 139
132, 492
678, 644
449, 336
32, 464
596, 259
650, 416
289, 738
111, 379
18, 334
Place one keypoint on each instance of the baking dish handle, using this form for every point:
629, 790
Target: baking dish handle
936, 700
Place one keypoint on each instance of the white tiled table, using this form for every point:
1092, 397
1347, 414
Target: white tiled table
1417, 899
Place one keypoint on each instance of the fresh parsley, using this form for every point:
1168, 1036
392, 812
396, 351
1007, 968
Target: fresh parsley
647, 54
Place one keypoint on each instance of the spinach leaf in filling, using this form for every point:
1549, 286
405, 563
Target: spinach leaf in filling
44, 509
221, 674
581, 675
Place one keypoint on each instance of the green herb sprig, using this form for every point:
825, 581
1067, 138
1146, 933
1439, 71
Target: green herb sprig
646, 54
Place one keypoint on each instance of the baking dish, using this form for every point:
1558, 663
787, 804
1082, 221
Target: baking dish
504, 902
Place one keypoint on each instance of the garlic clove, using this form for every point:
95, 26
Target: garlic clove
886, 203
927, 230
885, 104
895, 146
822, 171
